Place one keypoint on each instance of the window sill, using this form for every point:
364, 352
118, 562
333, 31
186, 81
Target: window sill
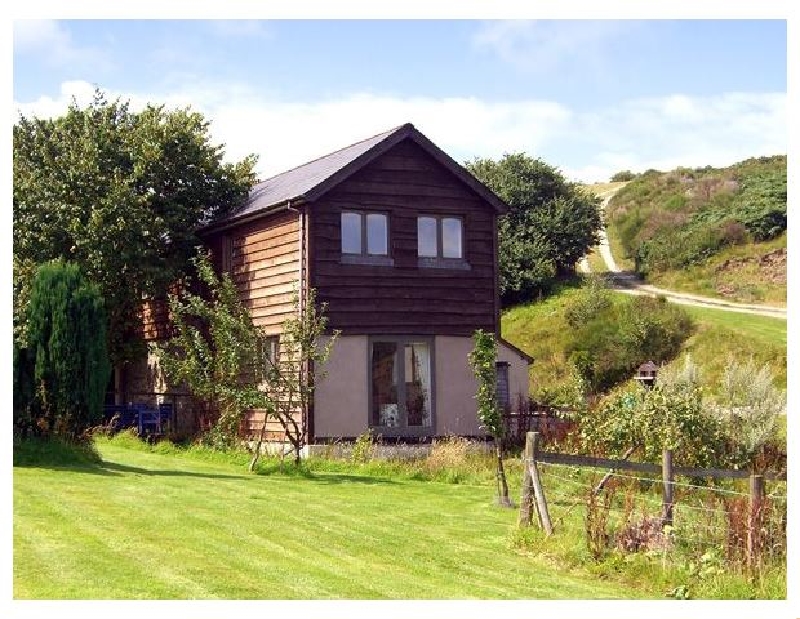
373, 261
456, 264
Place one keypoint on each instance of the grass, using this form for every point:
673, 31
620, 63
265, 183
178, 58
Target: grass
541, 330
167, 523
566, 489
746, 284
721, 335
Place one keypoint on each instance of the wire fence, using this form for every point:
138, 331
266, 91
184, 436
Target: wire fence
629, 513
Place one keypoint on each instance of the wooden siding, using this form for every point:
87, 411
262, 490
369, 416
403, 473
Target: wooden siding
404, 183
264, 266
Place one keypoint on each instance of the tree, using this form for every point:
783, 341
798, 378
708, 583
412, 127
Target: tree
483, 358
122, 194
551, 223
234, 365
293, 376
67, 348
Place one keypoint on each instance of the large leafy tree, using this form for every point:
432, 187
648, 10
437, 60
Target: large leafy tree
550, 225
120, 193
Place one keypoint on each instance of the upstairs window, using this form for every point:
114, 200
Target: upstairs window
365, 234
440, 241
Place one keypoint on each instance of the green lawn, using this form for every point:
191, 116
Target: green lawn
150, 525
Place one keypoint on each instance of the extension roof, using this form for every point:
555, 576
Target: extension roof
312, 180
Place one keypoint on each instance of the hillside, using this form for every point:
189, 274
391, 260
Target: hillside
541, 330
712, 231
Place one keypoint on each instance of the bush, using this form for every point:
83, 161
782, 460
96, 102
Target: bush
611, 340
624, 176
66, 339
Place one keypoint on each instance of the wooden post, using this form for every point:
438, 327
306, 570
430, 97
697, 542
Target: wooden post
754, 517
526, 501
538, 491
667, 499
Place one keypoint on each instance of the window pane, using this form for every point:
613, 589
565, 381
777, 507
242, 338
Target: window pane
418, 384
351, 233
376, 234
385, 410
426, 237
451, 238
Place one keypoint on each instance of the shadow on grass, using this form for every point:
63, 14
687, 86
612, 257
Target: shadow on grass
115, 468
291, 472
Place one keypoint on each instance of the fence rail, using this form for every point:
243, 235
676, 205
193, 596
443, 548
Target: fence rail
756, 505
643, 467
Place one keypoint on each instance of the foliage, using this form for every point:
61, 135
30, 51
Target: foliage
550, 225
669, 221
594, 298
67, 349
482, 358
623, 176
120, 193
216, 351
305, 347
235, 366
724, 427
363, 448
609, 341
652, 421
748, 405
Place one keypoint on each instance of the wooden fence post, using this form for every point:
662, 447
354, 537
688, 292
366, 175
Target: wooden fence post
754, 517
526, 501
667, 499
538, 491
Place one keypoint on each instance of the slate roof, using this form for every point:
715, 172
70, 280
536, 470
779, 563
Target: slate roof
311, 180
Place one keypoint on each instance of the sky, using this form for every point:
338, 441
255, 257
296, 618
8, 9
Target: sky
591, 97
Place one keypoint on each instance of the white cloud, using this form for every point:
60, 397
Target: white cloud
53, 43
544, 45
239, 28
638, 134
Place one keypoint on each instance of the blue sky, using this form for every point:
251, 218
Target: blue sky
591, 97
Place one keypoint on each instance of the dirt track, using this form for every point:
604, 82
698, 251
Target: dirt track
628, 283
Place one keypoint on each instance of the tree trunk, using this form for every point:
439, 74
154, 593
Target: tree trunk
502, 489
259, 442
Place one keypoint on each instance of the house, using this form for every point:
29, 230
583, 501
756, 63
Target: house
400, 242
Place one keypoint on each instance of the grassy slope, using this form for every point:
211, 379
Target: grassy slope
747, 283
149, 525
541, 330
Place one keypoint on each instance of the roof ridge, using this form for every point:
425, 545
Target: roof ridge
386, 133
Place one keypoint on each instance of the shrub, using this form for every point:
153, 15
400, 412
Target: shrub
66, 338
611, 340
623, 176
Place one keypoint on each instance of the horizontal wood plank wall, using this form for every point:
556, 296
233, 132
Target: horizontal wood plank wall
265, 266
405, 182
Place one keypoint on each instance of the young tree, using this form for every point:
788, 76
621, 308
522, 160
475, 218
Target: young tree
293, 375
483, 358
551, 224
120, 193
67, 342
216, 350
230, 363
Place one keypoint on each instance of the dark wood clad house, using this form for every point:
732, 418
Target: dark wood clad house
400, 242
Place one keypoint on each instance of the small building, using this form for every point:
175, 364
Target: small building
400, 242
